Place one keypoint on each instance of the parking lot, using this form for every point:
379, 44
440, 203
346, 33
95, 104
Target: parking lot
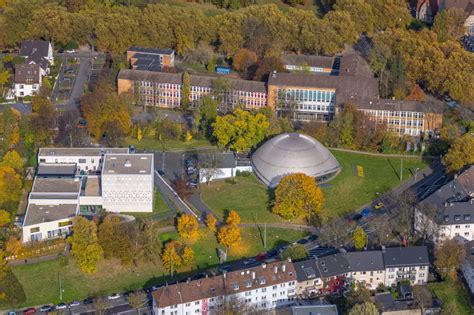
65, 82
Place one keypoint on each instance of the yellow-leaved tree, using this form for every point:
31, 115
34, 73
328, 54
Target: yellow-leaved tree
85, 244
211, 222
188, 256
233, 218
229, 236
5, 217
298, 195
360, 238
14, 160
460, 154
171, 259
188, 227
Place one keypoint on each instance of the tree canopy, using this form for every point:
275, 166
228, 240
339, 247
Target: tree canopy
85, 247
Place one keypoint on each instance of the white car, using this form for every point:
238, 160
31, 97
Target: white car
74, 303
70, 51
113, 296
61, 306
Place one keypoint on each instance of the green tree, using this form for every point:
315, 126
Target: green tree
186, 92
85, 246
360, 238
295, 252
5, 218
347, 131
206, 115
110, 236
298, 195
449, 24
241, 130
460, 154
366, 308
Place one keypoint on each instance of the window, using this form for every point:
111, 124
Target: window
264, 290
82, 161
34, 230
196, 303
42, 160
65, 223
188, 304
235, 286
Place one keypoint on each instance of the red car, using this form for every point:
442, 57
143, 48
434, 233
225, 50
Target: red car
29, 311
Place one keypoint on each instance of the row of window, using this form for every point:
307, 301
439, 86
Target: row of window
299, 95
387, 113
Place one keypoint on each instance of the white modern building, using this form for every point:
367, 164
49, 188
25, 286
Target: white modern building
449, 211
262, 288
127, 182
71, 180
213, 166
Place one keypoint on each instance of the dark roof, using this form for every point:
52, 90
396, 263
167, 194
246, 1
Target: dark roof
453, 200
332, 265
38, 59
308, 60
230, 283
469, 246
347, 88
405, 256
365, 261
466, 5
156, 51
386, 303
143, 75
27, 74
146, 62
56, 169
314, 310
401, 105
30, 47
307, 269
36, 214
218, 160
43, 185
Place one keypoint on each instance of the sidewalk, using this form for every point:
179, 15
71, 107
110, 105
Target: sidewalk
36, 259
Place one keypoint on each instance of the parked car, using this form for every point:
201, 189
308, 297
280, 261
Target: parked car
193, 183
61, 306
46, 308
312, 237
11, 313
70, 51
224, 268
132, 149
272, 253
365, 213
380, 205
302, 241
249, 261
190, 170
74, 303
113, 296
87, 301
29, 311
357, 217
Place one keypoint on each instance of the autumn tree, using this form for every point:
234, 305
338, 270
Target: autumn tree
211, 222
110, 236
295, 252
449, 24
137, 299
14, 246
187, 256
171, 259
43, 117
298, 195
5, 218
232, 218
150, 239
10, 185
448, 257
243, 61
229, 236
241, 130
13, 160
188, 227
460, 154
186, 91
266, 66
9, 128
3, 264
360, 238
332, 234
366, 308
107, 113
85, 247
422, 297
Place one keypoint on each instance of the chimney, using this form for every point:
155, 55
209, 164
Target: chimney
253, 275
383, 249
275, 269
283, 268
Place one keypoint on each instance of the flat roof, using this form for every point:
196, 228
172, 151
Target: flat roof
56, 169
36, 214
56, 185
92, 186
128, 164
148, 50
79, 151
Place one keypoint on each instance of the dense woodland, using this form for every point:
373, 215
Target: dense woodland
403, 52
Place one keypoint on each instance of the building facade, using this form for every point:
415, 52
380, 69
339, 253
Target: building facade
28, 80
406, 264
261, 288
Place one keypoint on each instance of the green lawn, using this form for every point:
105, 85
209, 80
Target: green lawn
41, 283
449, 291
344, 194
170, 145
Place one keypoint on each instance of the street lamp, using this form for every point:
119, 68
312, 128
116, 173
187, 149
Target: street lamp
416, 172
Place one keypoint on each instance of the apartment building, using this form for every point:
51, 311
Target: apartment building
71, 181
28, 80
334, 272
158, 89
405, 117
406, 264
150, 59
448, 212
262, 288
127, 182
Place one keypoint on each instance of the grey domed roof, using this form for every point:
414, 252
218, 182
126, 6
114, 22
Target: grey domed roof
293, 153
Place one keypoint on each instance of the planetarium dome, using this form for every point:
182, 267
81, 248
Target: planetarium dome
293, 153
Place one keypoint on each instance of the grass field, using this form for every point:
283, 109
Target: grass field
453, 292
170, 145
344, 194
41, 281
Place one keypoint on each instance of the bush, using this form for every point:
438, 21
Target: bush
238, 173
230, 181
12, 290
245, 173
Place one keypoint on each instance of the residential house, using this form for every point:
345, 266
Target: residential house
387, 305
448, 212
262, 288
37, 52
408, 264
467, 266
366, 268
150, 59
309, 278
27, 79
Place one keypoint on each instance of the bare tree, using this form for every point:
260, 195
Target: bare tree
405, 219
137, 299
425, 220
422, 297
100, 305
336, 232
383, 231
